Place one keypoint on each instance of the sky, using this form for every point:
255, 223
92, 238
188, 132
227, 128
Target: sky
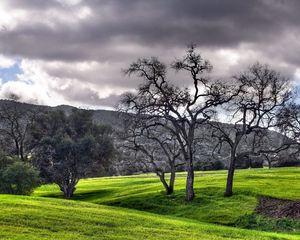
73, 51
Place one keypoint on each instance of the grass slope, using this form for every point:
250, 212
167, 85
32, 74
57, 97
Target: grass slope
144, 192
46, 218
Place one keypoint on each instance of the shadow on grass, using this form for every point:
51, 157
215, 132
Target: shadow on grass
91, 195
209, 204
82, 196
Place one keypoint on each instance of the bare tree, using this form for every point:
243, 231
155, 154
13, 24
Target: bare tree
15, 120
289, 124
254, 111
154, 150
178, 109
289, 121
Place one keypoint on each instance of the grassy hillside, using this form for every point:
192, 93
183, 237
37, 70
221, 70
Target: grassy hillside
144, 193
46, 218
145, 212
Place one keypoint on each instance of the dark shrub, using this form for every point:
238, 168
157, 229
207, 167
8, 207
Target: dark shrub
289, 162
256, 163
5, 160
18, 178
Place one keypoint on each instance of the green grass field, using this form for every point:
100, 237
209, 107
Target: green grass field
135, 207
144, 192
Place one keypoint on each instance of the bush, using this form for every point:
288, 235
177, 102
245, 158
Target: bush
261, 223
18, 178
209, 165
289, 162
257, 163
6, 160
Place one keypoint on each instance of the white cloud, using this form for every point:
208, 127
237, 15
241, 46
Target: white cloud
9, 18
6, 62
69, 15
69, 2
32, 85
36, 85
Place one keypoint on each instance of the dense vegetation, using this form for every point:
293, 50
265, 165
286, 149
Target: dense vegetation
68, 148
16, 176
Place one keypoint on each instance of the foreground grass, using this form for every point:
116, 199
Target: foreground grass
46, 218
144, 192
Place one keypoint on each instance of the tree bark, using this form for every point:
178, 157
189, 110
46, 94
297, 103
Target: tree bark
22, 152
163, 181
169, 189
68, 190
230, 175
172, 181
269, 161
190, 194
17, 148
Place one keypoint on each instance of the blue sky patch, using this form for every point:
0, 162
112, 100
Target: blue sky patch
10, 74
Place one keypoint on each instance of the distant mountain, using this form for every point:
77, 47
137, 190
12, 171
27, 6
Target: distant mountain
104, 117
205, 160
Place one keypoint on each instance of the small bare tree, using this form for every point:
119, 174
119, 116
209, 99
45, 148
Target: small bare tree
289, 124
15, 119
153, 150
289, 121
254, 111
180, 110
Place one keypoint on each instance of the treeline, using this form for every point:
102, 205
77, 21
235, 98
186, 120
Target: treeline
50, 146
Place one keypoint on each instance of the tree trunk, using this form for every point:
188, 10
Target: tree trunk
172, 181
190, 194
68, 190
230, 175
168, 188
17, 148
269, 162
22, 152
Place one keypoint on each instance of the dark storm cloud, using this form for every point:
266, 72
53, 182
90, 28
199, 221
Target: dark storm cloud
33, 4
117, 32
210, 23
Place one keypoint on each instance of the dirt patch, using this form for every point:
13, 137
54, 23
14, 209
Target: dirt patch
278, 208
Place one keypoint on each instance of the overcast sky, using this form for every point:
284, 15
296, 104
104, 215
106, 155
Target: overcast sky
73, 51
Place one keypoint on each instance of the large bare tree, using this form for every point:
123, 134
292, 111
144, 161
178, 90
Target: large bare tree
180, 108
254, 111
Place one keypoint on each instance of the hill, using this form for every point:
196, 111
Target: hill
144, 193
119, 208
204, 159
100, 116
41, 218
